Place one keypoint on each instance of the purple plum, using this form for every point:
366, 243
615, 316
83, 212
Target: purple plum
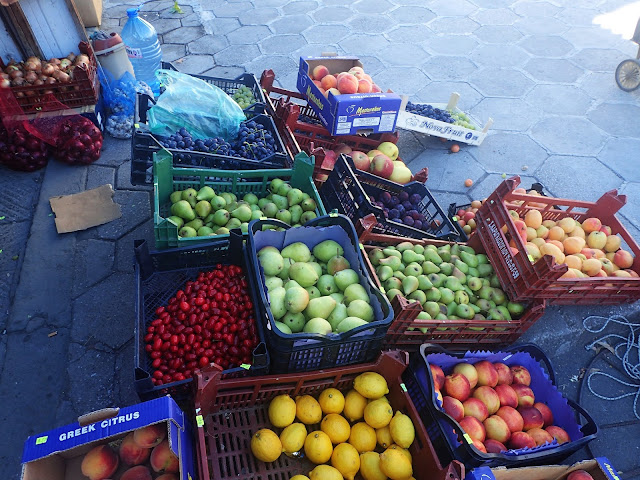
417, 224
415, 198
395, 200
407, 205
386, 212
400, 209
404, 196
408, 221
385, 197
393, 213
415, 214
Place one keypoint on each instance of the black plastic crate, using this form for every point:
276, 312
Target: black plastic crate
159, 275
348, 190
449, 439
303, 352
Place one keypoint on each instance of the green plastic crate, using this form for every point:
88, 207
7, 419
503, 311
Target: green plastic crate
167, 178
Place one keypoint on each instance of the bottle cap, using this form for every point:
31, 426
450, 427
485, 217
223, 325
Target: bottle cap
132, 12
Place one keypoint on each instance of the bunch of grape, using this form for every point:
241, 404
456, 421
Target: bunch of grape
244, 97
426, 110
463, 120
308, 119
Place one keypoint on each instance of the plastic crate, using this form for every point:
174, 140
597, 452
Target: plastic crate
457, 334
448, 437
158, 276
301, 352
167, 178
82, 90
522, 279
229, 412
349, 194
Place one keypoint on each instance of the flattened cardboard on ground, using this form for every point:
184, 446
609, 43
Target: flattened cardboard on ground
599, 468
84, 210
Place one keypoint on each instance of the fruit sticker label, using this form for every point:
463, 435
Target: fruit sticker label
134, 52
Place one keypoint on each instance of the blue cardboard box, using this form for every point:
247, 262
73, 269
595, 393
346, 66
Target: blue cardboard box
347, 114
599, 468
57, 454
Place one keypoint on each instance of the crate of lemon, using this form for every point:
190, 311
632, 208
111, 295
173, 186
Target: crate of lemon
354, 422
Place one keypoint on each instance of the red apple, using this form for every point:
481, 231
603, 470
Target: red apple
521, 440
526, 398
343, 148
505, 377
382, 166
494, 446
532, 418
512, 417
507, 395
487, 374
457, 386
558, 433
497, 429
438, 376
468, 371
453, 407
521, 375
489, 397
540, 436
475, 408
546, 412
361, 161
480, 446
474, 428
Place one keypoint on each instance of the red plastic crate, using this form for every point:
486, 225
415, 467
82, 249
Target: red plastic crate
457, 334
522, 279
230, 411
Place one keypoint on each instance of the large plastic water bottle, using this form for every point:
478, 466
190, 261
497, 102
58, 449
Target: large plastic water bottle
143, 48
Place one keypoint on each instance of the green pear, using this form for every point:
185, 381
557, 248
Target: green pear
327, 249
436, 280
195, 223
280, 202
273, 282
399, 274
454, 249
254, 207
295, 321
176, 196
257, 215
205, 193
183, 210
409, 284
250, 198
461, 297
409, 256
402, 246
384, 272
432, 256
203, 208
473, 272
418, 249
392, 293
482, 259
393, 282
285, 189
429, 267
432, 308
309, 205
413, 270
290, 284
515, 309
355, 291
267, 249
320, 307
297, 251
498, 296
504, 311
338, 297
296, 213
317, 268
305, 196
375, 255
307, 217
446, 295
350, 323
360, 309
418, 296
485, 292
286, 265
221, 217
494, 281
294, 196
276, 302
483, 305
283, 327
337, 263
222, 231
296, 299
446, 268
272, 263
346, 277
187, 232
303, 273
392, 252
205, 231
228, 197
177, 220
275, 184
242, 213
284, 216
338, 314
464, 311
317, 325
233, 223
469, 259
270, 210
313, 292
460, 265
394, 262
190, 195
218, 202
453, 284
474, 283
485, 269
433, 294
424, 283
327, 285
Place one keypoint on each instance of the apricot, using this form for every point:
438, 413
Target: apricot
549, 223
591, 266
319, 72
557, 243
531, 234
621, 273
612, 244
556, 233
597, 240
329, 81
591, 225
606, 229
567, 224
554, 251
573, 261
533, 250
573, 245
542, 232
533, 219
571, 273
538, 242
578, 232
607, 265
623, 259
348, 84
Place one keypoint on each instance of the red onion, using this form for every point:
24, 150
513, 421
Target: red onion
19, 150
79, 142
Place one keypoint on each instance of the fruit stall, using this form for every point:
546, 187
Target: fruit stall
307, 310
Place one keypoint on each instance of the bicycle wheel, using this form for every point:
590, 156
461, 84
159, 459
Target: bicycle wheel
628, 75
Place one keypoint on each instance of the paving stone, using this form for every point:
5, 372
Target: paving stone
93, 262
237, 55
632, 208
372, 6
98, 175
500, 82
91, 385
508, 113
280, 64
403, 54
228, 9
620, 155
124, 255
288, 81
445, 199
313, 50
451, 44
304, 6
546, 45
116, 11
533, 9
411, 14
195, 64
21, 190
599, 59
402, 80
282, 43
273, 3
123, 179
159, 6
291, 24
12, 243
225, 72
448, 68
184, 35
495, 16
114, 152
372, 65
493, 3
332, 14
365, 44
506, 34
66, 414
617, 119
409, 146
460, 25
484, 187
410, 33
448, 171
603, 85
166, 25
439, 92
322, 33
499, 55
221, 26
540, 25
369, 23
508, 152
172, 51
560, 99
576, 16
191, 20
249, 35
209, 44
124, 369
7, 283
555, 70
590, 37
579, 136
135, 210
258, 16
444, 8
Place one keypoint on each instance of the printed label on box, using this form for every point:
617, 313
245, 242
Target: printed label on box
134, 52
366, 122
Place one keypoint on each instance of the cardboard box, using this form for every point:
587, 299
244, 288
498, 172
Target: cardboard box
348, 114
57, 454
599, 468
436, 128
90, 12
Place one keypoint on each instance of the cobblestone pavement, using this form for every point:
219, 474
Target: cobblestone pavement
543, 70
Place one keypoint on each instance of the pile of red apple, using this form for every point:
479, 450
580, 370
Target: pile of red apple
141, 454
495, 405
353, 81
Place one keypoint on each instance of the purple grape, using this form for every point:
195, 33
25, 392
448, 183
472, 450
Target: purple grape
395, 201
417, 224
408, 221
415, 198
393, 213
407, 205
385, 197
404, 196
414, 214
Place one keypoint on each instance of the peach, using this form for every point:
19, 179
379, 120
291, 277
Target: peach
591, 266
474, 428
167, 476
612, 244
438, 376
521, 440
374, 153
606, 229
633, 273
489, 397
329, 81
526, 398
554, 251
319, 72
357, 69
131, 453
521, 228
163, 459
318, 84
348, 84
579, 475
100, 463
591, 225
542, 232
507, 395
375, 88
547, 414
597, 240
533, 219
453, 407
497, 429
567, 224
512, 417
621, 274
623, 259
494, 446
521, 375
364, 86
573, 245
573, 261
487, 374
588, 253
476, 408
505, 377
334, 92
540, 436
480, 446
601, 273
457, 386
558, 433
150, 436
556, 233
137, 473
469, 371
532, 418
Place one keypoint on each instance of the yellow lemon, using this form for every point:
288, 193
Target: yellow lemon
370, 466
395, 465
299, 477
325, 472
354, 405
308, 410
402, 430
317, 447
363, 437
292, 438
265, 445
384, 437
402, 450
331, 400
378, 414
371, 385
336, 427
282, 411
369, 400
346, 459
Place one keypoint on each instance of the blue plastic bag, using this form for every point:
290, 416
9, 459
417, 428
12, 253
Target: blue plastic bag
204, 110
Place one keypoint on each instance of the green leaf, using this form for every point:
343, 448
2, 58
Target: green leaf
176, 8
